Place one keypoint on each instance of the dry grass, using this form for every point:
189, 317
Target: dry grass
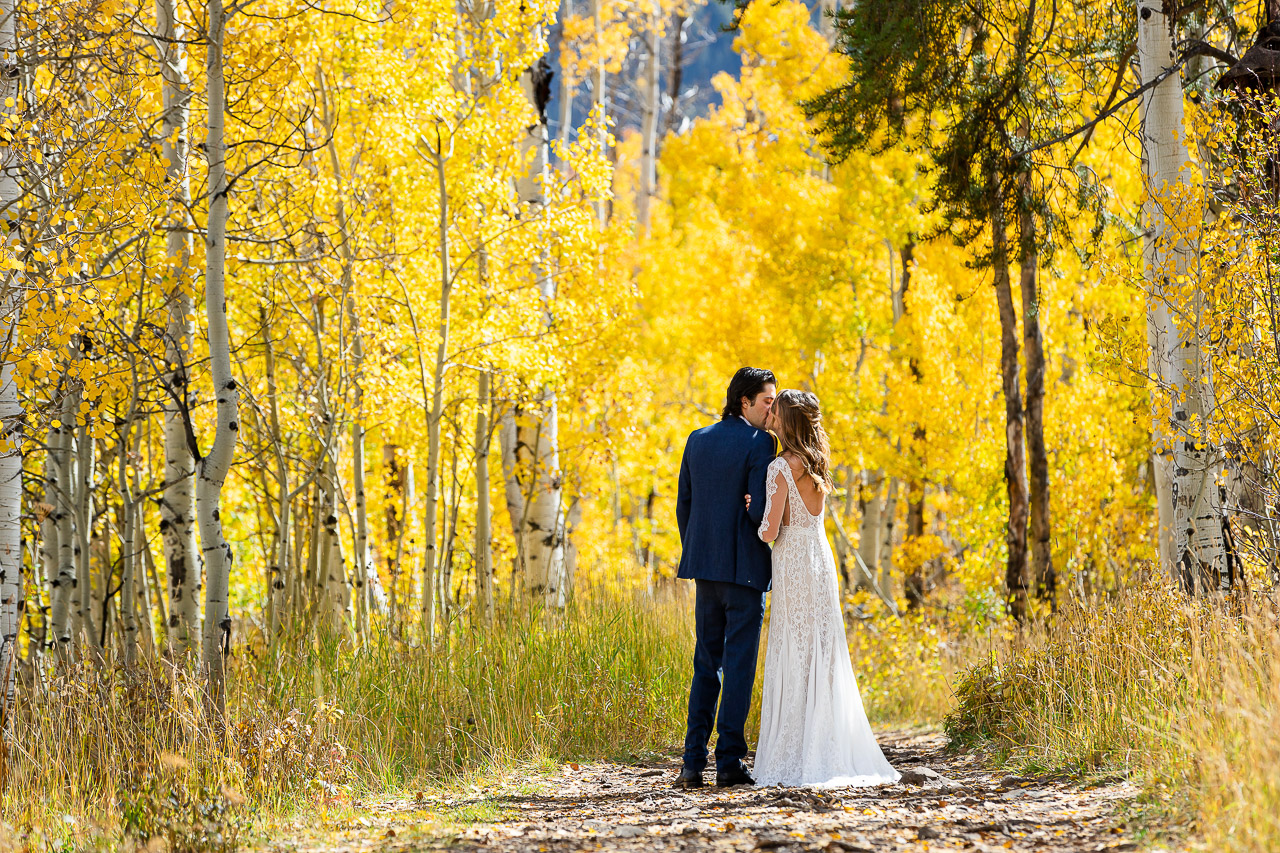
1182, 694
317, 723
97, 753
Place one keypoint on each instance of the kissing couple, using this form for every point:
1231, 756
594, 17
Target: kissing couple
813, 729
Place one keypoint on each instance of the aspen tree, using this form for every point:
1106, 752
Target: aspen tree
65, 626
530, 438
651, 94
11, 413
484, 525
177, 505
1188, 470
213, 468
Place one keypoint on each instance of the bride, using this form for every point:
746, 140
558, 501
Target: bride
813, 729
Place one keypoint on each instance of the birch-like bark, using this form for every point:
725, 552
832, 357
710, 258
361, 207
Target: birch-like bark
649, 120
128, 554
10, 407
568, 86
214, 466
89, 602
888, 523
431, 510
64, 604
536, 435
47, 513
1188, 469
600, 95
484, 522
675, 75
869, 525
177, 506
1015, 471
279, 570
363, 569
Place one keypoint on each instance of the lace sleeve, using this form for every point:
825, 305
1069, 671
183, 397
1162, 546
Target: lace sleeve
773, 509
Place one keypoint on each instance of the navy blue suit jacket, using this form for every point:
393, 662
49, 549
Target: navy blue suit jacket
721, 464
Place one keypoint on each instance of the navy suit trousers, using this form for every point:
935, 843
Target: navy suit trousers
728, 617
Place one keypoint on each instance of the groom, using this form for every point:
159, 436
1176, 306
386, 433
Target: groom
732, 569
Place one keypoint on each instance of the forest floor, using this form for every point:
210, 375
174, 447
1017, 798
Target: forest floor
958, 802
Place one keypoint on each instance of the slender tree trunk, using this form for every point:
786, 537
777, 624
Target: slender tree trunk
177, 507
362, 563
47, 513
1188, 467
675, 76
1042, 571
649, 119
128, 555
89, 603
542, 528
65, 626
600, 95
431, 510
214, 467
888, 521
869, 526
11, 585
568, 86
278, 572
484, 522
1015, 472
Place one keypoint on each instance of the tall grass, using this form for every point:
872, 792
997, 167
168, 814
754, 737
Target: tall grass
1184, 695
317, 721
320, 719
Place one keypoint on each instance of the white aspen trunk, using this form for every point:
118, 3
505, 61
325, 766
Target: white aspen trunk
407, 501
214, 466
600, 95
1188, 469
888, 519
484, 522
507, 442
90, 603
431, 510
568, 86
542, 530
279, 572
649, 120
65, 624
11, 589
869, 536
177, 507
128, 556
362, 562
145, 569
47, 513
333, 563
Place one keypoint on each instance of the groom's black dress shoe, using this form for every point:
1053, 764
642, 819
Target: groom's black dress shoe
733, 776
688, 779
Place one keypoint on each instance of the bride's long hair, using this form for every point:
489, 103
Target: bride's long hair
798, 419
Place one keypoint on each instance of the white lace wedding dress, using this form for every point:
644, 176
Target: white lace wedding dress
813, 729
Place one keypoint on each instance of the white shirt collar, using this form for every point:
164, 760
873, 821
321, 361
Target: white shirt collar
745, 421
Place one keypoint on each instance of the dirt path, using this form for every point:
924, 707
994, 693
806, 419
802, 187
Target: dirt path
632, 808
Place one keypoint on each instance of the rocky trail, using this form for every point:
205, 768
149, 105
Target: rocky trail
945, 802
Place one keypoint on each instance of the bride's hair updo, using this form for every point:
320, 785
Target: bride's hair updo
799, 421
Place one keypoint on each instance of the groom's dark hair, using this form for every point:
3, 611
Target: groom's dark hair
747, 382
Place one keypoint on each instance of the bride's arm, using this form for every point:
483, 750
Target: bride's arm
774, 504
